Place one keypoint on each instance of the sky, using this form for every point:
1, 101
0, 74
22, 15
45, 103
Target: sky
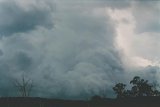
74, 49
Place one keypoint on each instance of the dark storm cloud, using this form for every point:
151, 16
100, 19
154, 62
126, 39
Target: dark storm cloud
16, 19
23, 61
77, 58
1, 52
114, 4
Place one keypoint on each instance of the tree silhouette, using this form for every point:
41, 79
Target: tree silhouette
120, 90
24, 86
140, 87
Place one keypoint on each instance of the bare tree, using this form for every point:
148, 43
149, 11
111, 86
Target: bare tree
24, 86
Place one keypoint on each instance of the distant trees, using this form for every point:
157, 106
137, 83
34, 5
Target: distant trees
24, 86
120, 89
140, 87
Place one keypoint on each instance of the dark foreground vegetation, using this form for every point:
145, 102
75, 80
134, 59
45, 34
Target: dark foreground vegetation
141, 94
95, 102
140, 88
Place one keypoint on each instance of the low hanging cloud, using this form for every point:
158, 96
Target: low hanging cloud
68, 51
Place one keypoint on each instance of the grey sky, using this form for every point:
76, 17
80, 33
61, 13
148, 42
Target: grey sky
74, 48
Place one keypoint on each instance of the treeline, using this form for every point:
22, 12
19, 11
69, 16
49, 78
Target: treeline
140, 88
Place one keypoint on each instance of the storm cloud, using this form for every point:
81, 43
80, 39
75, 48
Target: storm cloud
147, 15
16, 18
68, 49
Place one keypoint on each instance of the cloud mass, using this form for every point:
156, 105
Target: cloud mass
70, 48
